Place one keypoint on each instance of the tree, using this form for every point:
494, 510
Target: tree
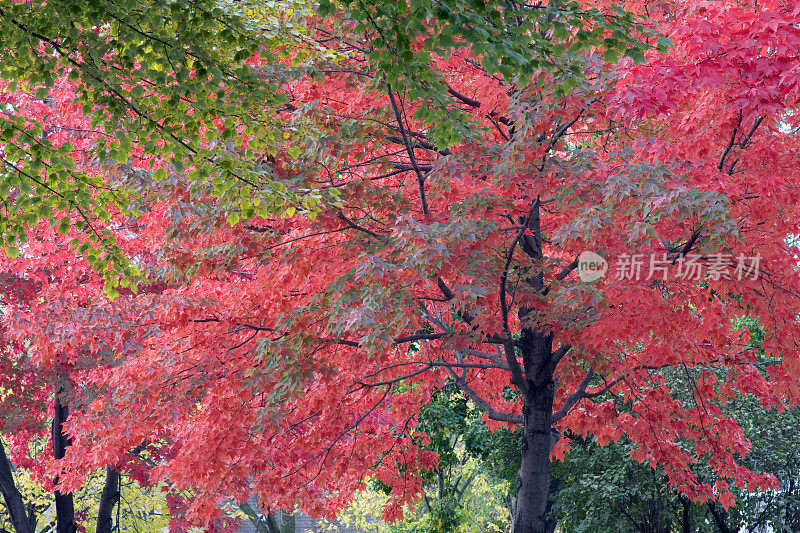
456, 192
604, 489
467, 491
94, 91
95, 94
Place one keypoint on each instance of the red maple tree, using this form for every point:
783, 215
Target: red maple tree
289, 356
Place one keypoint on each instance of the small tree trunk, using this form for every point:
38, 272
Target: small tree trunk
287, 523
686, 517
65, 508
11, 495
720, 518
108, 500
280, 522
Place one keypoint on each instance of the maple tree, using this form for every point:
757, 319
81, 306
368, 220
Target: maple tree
92, 94
98, 88
603, 489
448, 166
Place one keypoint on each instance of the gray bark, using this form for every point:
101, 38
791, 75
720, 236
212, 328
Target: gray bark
537, 386
532, 497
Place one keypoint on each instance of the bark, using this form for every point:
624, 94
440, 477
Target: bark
531, 511
538, 392
14, 504
260, 524
287, 523
108, 500
280, 522
65, 508
720, 518
272, 524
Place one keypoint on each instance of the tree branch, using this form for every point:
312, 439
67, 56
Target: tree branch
573, 398
731, 142
340, 215
562, 275
487, 408
13, 498
410, 150
466, 99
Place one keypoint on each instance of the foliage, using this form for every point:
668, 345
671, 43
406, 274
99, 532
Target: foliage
603, 489
266, 351
95, 90
481, 510
143, 509
598, 485
514, 41
467, 491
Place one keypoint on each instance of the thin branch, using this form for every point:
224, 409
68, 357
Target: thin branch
731, 142
573, 398
466, 99
746, 139
449, 294
562, 275
340, 215
507, 265
496, 125
410, 150
406, 166
420, 337
490, 411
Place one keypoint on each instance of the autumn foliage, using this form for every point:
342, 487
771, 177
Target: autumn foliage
286, 351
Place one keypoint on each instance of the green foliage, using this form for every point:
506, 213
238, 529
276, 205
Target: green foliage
162, 80
514, 40
603, 489
472, 459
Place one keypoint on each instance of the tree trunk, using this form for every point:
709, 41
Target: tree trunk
108, 500
531, 511
65, 509
720, 518
11, 495
537, 386
686, 518
280, 522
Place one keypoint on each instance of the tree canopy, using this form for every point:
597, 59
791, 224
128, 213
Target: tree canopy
324, 216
